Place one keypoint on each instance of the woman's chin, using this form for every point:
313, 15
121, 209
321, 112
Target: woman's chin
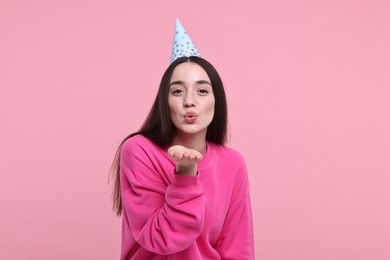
192, 130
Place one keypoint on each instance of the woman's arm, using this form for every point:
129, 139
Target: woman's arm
236, 240
163, 219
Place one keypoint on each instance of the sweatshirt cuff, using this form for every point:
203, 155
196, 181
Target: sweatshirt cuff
185, 180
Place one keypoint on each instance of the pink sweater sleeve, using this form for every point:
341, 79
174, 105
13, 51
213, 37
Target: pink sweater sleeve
236, 240
164, 218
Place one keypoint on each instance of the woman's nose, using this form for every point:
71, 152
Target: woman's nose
189, 100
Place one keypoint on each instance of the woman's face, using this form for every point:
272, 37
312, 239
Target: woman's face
191, 99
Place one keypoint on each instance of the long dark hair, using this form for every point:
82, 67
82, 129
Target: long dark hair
158, 126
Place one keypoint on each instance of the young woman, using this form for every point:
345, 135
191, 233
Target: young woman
182, 193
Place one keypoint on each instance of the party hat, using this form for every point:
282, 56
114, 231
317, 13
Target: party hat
182, 45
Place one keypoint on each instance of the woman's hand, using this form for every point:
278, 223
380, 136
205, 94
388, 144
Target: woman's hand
186, 159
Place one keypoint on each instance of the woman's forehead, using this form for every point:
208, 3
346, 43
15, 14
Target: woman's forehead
189, 71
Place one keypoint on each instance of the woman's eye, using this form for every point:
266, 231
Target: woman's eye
177, 91
203, 91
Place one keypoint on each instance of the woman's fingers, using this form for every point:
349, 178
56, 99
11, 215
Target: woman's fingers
182, 154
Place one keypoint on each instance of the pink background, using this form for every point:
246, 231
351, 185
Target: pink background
308, 90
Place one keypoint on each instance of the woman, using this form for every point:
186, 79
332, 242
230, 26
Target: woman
182, 193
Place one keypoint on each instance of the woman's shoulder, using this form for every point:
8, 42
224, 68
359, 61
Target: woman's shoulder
227, 152
137, 139
229, 159
138, 142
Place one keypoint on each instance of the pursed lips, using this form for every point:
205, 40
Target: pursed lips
190, 117
190, 114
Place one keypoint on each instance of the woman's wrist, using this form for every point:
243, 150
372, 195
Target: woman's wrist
190, 170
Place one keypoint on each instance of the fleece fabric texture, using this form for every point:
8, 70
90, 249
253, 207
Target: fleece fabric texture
171, 216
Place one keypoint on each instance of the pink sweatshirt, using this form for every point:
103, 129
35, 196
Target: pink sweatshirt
170, 216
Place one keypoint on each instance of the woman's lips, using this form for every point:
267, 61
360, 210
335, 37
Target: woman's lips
190, 117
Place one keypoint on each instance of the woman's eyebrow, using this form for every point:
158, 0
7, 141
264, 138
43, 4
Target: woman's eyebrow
177, 82
201, 82
198, 82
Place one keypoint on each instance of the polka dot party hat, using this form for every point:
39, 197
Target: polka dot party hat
182, 45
